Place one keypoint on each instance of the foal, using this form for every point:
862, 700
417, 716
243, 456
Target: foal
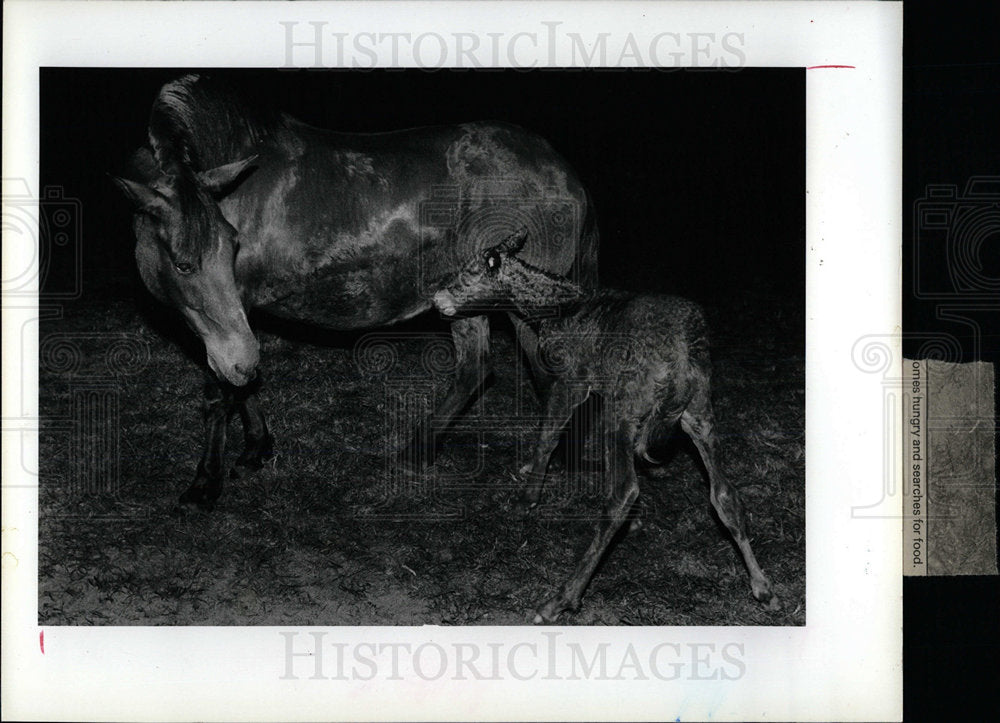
646, 354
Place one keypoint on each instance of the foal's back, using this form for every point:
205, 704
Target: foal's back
644, 348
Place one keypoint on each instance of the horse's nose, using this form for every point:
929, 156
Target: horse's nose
249, 372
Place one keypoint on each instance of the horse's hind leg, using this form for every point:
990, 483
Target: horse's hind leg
624, 491
698, 422
472, 341
217, 408
258, 442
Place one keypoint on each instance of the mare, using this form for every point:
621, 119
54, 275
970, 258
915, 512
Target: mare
239, 207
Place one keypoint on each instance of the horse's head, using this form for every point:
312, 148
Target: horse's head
185, 250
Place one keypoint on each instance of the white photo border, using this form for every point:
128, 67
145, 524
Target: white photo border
844, 664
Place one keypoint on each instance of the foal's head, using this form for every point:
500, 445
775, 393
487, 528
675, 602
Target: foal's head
498, 277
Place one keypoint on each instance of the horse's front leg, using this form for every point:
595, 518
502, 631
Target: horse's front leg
472, 365
216, 410
258, 444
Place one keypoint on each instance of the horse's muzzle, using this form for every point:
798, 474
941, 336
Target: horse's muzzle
237, 373
445, 303
247, 374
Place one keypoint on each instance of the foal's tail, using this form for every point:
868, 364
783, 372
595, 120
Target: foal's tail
584, 269
642, 443
656, 428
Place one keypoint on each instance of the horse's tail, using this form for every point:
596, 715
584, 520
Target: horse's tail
584, 269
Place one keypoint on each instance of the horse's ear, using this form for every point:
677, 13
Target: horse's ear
144, 197
217, 179
515, 242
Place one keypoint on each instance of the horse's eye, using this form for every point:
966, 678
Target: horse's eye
184, 268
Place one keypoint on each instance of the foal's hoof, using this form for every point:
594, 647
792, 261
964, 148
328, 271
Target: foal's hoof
771, 603
531, 491
764, 594
550, 611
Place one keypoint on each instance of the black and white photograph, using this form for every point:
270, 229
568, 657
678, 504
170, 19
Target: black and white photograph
401, 369
503, 365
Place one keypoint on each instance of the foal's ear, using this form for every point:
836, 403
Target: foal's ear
217, 179
144, 197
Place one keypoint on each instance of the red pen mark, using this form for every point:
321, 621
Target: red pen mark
814, 67
41, 640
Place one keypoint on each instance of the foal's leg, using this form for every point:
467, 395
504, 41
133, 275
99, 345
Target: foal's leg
472, 342
698, 421
574, 446
217, 407
562, 400
527, 339
624, 490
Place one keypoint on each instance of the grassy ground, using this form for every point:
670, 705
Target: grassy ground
326, 534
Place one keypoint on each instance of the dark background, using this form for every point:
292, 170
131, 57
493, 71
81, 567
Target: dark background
951, 96
697, 177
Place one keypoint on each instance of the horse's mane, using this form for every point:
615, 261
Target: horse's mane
199, 123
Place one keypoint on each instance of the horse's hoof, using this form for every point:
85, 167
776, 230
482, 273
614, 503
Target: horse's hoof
200, 498
256, 454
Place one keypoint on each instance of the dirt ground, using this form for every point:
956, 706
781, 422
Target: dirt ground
329, 534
